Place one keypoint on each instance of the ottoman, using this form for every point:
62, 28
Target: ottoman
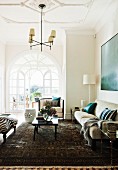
30, 114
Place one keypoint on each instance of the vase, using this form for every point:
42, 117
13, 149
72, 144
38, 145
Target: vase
47, 117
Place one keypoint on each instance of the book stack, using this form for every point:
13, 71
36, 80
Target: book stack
40, 117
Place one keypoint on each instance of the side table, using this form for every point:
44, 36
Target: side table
111, 133
30, 114
72, 111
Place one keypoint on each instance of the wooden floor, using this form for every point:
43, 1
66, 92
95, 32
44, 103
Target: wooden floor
60, 168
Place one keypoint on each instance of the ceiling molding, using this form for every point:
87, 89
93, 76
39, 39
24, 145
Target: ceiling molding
50, 6
109, 15
7, 20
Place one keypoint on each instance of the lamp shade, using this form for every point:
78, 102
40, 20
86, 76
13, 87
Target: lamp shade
32, 32
53, 33
50, 39
89, 79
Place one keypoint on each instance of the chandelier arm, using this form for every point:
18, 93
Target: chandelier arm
36, 41
46, 44
35, 45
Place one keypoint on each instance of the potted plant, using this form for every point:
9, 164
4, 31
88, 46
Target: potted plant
36, 95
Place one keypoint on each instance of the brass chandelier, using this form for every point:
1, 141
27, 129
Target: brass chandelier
33, 42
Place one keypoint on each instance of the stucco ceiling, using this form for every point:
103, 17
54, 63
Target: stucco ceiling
18, 16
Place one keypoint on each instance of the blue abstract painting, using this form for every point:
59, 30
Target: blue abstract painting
109, 64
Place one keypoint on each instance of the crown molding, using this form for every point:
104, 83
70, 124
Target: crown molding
80, 32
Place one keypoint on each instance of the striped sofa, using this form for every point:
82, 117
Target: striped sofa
7, 122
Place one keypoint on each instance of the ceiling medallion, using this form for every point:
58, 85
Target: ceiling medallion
50, 4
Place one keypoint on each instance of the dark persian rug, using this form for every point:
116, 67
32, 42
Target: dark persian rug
68, 150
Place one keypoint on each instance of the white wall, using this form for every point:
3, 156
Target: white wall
103, 35
2, 77
79, 61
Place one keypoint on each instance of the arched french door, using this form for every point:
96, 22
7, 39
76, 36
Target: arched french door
32, 72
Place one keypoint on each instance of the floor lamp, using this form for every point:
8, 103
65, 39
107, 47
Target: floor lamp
89, 79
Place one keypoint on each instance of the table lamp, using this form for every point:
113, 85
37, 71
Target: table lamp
89, 79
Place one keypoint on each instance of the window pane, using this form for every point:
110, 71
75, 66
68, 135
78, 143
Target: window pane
47, 76
21, 76
14, 76
12, 90
55, 91
47, 83
13, 83
47, 90
21, 83
54, 76
55, 83
21, 91
21, 98
20, 106
11, 97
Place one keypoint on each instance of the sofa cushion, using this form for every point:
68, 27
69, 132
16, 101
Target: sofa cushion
108, 114
54, 103
90, 108
48, 103
79, 115
58, 109
56, 99
111, 115
104, 113
86, 119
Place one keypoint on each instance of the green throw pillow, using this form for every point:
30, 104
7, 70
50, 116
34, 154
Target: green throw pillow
90, 108
56, 99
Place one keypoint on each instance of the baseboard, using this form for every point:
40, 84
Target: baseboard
68, 116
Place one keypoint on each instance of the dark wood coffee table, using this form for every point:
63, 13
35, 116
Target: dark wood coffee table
37, 123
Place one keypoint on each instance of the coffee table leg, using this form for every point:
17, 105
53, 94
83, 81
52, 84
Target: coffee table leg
34, 132
111, 150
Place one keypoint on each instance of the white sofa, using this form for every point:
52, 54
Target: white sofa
94, 131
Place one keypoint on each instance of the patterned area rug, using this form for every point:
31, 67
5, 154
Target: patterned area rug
68, 150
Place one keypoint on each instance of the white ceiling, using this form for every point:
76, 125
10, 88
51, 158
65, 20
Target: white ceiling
18, 16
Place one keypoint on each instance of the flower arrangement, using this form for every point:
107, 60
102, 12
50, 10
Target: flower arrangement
48, 109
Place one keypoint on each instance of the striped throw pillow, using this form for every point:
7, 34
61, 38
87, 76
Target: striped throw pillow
111, 115
104, 113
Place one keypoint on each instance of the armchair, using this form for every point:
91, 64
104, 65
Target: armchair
59, 109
